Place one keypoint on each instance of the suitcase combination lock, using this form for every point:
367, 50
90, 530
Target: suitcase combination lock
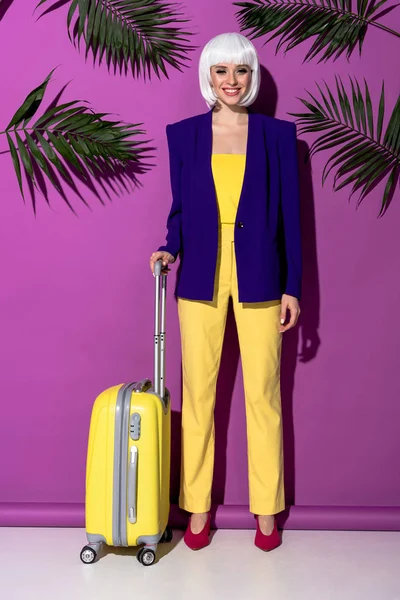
134, 426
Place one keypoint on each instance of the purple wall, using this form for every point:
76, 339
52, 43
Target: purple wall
76, 298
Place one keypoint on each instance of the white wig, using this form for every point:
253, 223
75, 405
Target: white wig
230, 48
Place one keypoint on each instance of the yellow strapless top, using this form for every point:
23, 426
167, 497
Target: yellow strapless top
228, 173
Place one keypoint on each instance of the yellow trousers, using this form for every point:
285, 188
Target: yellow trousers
202, 327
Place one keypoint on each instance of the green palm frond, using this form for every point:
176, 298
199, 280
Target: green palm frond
133, 34
364, 156
337, 27
68, 137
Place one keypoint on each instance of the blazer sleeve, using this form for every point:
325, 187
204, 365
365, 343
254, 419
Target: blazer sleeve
290, 197
174, 220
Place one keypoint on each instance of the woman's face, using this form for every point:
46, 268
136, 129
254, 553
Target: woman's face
230, 81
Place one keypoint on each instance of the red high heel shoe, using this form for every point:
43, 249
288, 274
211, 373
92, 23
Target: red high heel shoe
196, 541
267, 542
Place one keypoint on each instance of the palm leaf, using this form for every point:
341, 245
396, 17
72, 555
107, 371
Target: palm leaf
67, 137
17, 166
135, 34
361, 157
337, 28
30, 104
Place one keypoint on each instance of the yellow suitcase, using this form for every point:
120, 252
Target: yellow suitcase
128, 458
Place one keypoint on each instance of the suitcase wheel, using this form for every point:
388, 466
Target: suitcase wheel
88, 555
167, 535
146, 556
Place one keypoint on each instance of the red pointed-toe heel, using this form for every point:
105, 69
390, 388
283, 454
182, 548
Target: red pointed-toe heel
196, 541
267, 542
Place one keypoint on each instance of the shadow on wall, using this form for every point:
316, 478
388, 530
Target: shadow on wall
54, 7
267, 98
4, 6
300, 343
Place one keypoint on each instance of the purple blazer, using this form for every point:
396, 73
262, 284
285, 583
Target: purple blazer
267, 227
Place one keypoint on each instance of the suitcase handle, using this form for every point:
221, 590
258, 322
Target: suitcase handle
132, 484
159, 330
142, 386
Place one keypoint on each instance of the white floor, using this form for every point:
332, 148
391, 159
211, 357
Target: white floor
44, 564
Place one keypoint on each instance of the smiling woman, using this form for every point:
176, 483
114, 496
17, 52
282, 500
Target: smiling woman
241, 72
241, 197
231, 79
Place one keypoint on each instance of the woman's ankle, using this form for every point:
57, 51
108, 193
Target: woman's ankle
198, 521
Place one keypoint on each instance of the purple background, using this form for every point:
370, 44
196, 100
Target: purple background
76, 298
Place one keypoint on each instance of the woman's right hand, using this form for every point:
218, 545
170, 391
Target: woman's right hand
166, 258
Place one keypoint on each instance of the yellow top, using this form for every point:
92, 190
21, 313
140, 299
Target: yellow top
228, 173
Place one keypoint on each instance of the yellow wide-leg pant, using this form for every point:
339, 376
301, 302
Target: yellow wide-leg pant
202, 327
